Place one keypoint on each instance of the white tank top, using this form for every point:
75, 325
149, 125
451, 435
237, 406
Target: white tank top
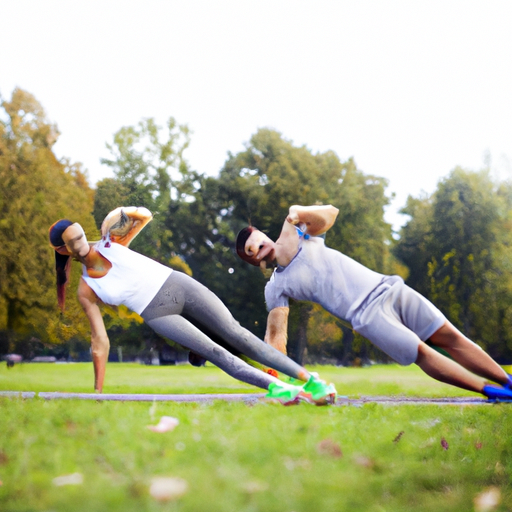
133, 280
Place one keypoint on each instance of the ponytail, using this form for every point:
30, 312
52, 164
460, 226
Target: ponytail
62, 261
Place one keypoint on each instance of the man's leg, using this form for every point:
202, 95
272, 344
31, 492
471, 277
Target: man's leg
445, 370
468, 354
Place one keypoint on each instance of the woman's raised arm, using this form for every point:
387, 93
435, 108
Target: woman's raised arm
124, 223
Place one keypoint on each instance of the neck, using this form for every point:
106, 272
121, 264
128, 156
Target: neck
84, 256
267, 267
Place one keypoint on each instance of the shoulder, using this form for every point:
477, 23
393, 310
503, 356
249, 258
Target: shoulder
86, 295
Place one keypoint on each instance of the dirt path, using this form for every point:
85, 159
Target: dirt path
242, 397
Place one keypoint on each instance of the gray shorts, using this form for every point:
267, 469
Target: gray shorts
397, 319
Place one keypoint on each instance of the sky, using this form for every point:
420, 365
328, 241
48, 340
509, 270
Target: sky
410, 90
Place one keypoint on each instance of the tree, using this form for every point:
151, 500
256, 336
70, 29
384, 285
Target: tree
257, 186
149, 170
461, 260
148, 165
35, 190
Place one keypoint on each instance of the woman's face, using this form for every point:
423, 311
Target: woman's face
75, 240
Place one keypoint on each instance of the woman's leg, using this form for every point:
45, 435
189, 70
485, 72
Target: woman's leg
468, 354
207, 312
183, 332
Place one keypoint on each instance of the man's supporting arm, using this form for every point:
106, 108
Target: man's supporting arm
277, 328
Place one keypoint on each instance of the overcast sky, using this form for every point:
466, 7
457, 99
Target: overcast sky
410, 89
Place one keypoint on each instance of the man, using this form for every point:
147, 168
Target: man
382, 308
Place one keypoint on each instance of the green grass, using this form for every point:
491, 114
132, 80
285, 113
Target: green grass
136, 378
244, 458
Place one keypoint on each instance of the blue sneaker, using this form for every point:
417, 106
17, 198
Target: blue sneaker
497, 393
508, 385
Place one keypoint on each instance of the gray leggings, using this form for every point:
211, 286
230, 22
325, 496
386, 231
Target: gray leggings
190, 314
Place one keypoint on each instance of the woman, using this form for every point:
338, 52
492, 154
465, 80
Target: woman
172, 304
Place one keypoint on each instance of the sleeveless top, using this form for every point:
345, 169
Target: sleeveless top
320, 274
133, 280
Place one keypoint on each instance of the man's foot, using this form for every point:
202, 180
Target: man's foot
508, 385
287, 394
498, 393
318, 392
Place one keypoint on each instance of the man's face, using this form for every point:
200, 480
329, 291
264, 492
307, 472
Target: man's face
259, 247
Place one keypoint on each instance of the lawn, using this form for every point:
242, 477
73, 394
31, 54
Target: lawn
247, 457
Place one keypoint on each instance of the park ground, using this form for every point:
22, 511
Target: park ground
248, 456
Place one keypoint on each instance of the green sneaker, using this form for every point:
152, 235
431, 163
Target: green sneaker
318, 392
284, 393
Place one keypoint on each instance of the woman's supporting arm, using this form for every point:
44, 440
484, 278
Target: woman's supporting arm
100, 343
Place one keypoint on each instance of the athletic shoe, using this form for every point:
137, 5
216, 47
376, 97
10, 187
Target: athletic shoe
316, 391
508, 385
497, 393
284, 393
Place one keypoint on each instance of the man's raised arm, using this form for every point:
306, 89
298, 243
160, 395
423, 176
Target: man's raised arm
318, 219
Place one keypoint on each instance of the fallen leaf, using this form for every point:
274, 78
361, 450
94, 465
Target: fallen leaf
73, 479
444, 443
398, 437
499, 468
487, 500
255, 486
329, 447
291, 464
167, 488
365, 462
166, 424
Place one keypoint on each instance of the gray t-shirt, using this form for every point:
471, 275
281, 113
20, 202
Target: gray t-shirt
319, 274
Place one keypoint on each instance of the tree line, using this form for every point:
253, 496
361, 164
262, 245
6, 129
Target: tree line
453, 249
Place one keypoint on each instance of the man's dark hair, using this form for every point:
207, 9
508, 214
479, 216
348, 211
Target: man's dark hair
241, 240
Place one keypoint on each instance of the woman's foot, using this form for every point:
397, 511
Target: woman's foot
315, 391
286, 394
318, 392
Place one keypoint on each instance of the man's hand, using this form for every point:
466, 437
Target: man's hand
293, 215
317, 218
